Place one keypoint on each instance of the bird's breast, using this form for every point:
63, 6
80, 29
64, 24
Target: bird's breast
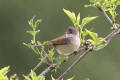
69, 48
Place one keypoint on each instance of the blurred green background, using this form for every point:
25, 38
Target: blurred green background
14, 16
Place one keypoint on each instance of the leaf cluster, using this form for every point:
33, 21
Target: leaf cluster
84, 32
108, 5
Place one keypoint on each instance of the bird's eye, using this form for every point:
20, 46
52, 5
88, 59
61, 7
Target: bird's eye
70, 31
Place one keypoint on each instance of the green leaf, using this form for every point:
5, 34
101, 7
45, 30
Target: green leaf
51, 54
45, 42
27, 78
87, 5
118, 3
14, 77
52, 77
3, 73
37, 31
71, 78
93, 35
71, 15
28, 45
4, 70
39, 43
78, 20
42, 78
30, 32
86, 20
91, 41
30, 22
100, 40
38, 22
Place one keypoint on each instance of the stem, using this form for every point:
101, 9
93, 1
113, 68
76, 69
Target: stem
39, 64
34, 35
75, 63
107, 17
55, 64
47, 69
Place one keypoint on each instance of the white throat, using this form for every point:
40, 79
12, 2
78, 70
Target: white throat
69, 35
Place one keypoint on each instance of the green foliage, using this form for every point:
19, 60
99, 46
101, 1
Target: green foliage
33, 76
71, 78
86, 20
34, 26
79, 26
51, 55
98, 42
52, 77
73, 18
3, 73
107, 5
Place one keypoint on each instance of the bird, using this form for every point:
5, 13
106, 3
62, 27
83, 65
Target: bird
67, 43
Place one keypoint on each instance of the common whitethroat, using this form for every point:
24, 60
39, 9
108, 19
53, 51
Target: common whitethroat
66, 44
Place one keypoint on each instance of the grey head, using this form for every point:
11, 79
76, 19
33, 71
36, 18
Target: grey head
72, 30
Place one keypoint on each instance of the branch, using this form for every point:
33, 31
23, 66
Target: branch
55, 64
110, 36
47, 69
107, 17
76, 62
40, 63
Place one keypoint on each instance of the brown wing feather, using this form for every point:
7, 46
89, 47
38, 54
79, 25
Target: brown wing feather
62, 40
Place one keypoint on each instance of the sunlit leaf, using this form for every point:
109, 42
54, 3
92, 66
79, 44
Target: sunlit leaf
30, 22
37, 31
27, 78
38, 22
71, 78
52, 77
3, 73
39, 43
30, 32
71, 15
91, 41
78, 20
92, 34
86, 20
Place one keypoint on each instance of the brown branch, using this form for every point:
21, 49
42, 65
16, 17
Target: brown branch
38, 65
110, 36
75, 62
47, 69
107, 17
55, 64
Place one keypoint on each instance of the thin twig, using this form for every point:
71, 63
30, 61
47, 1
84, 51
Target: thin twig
75, 53
47, 69
75, 62
110, 36
38, 65
107, 17
55, 64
